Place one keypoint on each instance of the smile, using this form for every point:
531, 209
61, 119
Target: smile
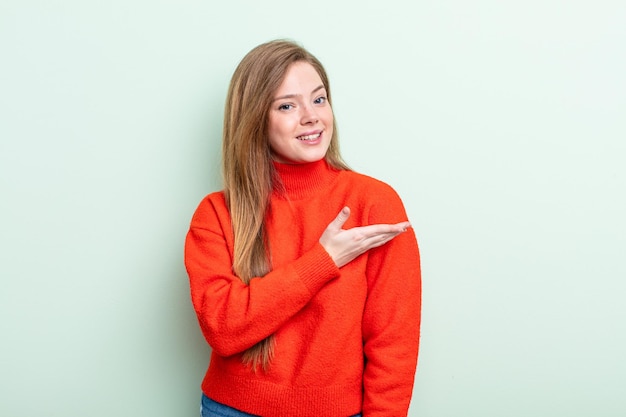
309, 137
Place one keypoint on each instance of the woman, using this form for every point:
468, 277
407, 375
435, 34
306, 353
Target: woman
304, 275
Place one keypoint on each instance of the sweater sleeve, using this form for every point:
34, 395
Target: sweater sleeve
234, 316
391, 320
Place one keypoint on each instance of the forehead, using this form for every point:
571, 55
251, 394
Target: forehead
300, 78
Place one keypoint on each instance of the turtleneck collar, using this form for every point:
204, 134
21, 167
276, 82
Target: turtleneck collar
303, 180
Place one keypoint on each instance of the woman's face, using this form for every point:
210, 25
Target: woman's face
300, 119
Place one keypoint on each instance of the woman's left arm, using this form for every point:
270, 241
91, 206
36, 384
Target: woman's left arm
391, 319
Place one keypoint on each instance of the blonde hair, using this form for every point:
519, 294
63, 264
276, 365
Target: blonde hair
249, 175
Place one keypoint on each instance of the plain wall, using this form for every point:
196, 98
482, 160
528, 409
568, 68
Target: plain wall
501, 124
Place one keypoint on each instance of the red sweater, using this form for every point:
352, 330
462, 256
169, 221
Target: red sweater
346, 338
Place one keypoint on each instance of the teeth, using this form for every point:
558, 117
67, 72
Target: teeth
309, 137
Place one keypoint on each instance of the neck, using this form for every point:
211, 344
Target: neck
297, 181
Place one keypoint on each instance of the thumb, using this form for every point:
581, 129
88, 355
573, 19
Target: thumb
341, 218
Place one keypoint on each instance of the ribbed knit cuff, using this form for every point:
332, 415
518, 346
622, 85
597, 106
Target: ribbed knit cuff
315, 268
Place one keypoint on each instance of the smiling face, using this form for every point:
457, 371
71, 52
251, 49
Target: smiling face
300, 123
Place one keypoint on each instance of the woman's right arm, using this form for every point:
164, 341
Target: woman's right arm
345, 245
234, 316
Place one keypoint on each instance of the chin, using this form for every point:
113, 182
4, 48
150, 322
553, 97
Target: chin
312, 158
307, 157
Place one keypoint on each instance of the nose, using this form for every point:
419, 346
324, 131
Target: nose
308, 115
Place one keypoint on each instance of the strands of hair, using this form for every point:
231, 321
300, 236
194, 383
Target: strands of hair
248, 172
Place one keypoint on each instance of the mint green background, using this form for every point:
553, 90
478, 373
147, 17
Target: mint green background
501, 124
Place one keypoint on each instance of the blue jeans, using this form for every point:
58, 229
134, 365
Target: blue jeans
210, 408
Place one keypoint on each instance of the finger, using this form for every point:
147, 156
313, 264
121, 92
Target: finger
381, 229
341, 219
382, 234
379, 240
403, 226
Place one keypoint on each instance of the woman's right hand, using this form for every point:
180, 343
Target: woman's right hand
345, 245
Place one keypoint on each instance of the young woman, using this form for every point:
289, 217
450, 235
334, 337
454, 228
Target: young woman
305, 275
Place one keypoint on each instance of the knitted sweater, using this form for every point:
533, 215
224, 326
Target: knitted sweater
346, 338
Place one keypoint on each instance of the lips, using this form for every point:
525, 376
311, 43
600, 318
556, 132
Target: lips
309, 137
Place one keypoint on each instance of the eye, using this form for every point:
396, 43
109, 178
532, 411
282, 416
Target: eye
320, 100
285, 107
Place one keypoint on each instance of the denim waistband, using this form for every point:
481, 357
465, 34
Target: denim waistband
210, 408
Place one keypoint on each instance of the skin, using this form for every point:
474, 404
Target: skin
344, 245
300, 120
299, 129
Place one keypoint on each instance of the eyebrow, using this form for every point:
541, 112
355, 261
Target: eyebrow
321, 86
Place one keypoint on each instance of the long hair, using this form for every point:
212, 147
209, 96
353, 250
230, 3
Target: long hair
248, 172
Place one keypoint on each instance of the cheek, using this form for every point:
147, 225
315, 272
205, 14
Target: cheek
280, 126
328, 117
328, 120
276, 142
274, 133
279, 137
